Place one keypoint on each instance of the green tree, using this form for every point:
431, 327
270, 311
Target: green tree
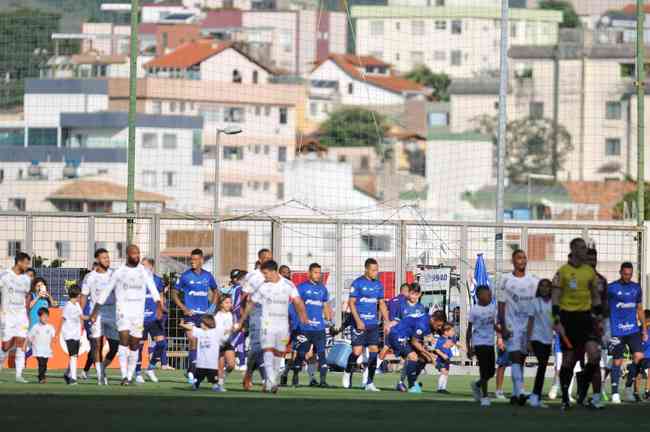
353, 127
570, 17
529, 145
626, 207
439, 82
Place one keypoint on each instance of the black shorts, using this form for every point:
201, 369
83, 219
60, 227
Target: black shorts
367, 337
486, 361
305, 340
226, 347
209, 374
73, 346
579, 328
645, 364
154, 329
617, 345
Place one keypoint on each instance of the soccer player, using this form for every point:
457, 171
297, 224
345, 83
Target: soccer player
153, 327
130, 283
482, 323
93, 284
15, 292
71, 332
199, 290
397, 304
274, 296
540, 337
250, 284
312, 334
626, 311
575, 299
366, 296
515, 295
285, 271
236, 293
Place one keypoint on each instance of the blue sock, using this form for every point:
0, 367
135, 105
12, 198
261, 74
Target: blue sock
411, 372
191, 361
163, 352
372, 366
616, 376
138, 365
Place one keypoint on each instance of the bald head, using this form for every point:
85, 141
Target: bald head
132, 255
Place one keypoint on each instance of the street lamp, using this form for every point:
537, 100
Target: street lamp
216, 230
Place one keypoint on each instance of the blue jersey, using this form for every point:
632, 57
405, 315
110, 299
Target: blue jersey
416, 310
623, 300
150, 305
395, 307
236, 296
440, 346
646, 349
367, 293
196, 289
410, 327
294, 321
315, 297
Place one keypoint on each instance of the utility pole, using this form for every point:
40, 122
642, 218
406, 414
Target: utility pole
133, 81
640, 136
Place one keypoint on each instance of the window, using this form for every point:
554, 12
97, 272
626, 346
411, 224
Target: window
233, 153
313, 109
440, 25
258, 111
439, 55
13, 247
266, 186
267, 149
440, 3
100, 206
375, 243
267, 111
282, 154
417, 28
41, 136
329, 241
181, 107
156, 107
234, 115
456, 58
513, 30
417, 58
172, 106
169, 141
350, 88
613, 111
255, 76
396, 56
165, 41
2, 175
236, 77
536, 110
613, 147
256, 185
149, 179
280, 191
456, 27
169, 178
17, 204
376, 28
120, 248
283, 116
68, 205
208, 187
149, 140
397, 26
63, 249
232, 189
257, 149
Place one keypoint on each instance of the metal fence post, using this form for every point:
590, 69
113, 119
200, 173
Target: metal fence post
90, 242
524, 240
338, 289
276, 240
29, 235
464, 282
154, 238
400, 256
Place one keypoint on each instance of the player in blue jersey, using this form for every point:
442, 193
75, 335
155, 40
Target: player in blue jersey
444, 349
312, 334
235, 291
645, 363
397, 303
625, 301
199, 290
366, 303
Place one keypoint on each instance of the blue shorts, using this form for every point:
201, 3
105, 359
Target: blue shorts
153, 328
293, 340
194, 319
503, 359
442, 364
306, 339
401, 348
645, 364
367, 337
617, 345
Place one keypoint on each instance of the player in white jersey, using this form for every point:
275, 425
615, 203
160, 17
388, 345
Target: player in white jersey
515, 296
14, 319
251, 283
274, 295
94, 283
130, 283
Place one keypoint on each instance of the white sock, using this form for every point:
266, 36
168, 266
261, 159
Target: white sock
98, 368
123, 354
517, 379
269, 368
73, 368
20, 362
442, 382
221, 381
132, 363
311, 370
278, 364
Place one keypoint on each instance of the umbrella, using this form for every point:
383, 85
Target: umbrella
481, 276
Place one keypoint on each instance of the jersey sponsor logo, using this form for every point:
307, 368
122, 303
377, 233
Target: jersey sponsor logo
367, 316
368, 300
197, 293
314, 322
314, 302
626, 327
621, 305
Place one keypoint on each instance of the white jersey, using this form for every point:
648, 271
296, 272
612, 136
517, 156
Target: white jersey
483, 319
224, 322
93, 285
207, 347
71, 327
130, 285
518, 294
541, 312
40, 337
275, 299
251, 284
14, 290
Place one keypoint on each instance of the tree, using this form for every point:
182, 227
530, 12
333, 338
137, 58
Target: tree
353, 127
626, 208
529, 146
570, 18
439, 82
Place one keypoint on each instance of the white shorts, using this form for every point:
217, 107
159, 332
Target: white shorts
14, 326
518, 341
134, 324
276, 339
96, 328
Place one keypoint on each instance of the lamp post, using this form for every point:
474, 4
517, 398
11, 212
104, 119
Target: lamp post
216, 229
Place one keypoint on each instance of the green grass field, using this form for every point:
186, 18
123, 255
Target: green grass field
171, 405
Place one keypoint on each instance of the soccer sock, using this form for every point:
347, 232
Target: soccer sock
138, 364
616, 377
442, 382
268, 367
566, 374
372, 367
163, 352
352, 362
98, 368
311, 370
20, 362
322, 366
410, 370
191, 364
132, 363
633, 371
73, 368
123, 354
156, 354
517, 379
277, 366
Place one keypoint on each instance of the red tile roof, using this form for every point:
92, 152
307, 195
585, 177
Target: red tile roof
605, 194
631, 9
189, 54
362, 61
96, 190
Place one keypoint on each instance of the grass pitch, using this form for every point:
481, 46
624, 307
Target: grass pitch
171, 405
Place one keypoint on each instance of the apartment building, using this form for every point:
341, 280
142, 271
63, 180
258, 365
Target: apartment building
461, 41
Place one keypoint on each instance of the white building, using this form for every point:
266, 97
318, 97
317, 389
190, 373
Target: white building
460, 41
